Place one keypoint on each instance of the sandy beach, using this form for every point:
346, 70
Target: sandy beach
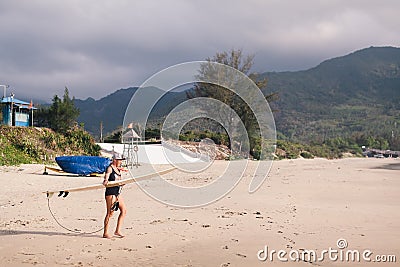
303, 205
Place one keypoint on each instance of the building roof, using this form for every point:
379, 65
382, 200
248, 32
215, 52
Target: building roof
131, 134
17, 102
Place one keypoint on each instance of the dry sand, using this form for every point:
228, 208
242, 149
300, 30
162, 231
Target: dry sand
304, 204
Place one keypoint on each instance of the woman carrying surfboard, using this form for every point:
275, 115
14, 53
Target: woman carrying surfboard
112, 195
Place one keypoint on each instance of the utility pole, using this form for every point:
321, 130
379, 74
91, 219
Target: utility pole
12, 104
4, 95
101, 131
4, 89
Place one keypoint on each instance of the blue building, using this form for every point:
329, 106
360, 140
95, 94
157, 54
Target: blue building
16, 112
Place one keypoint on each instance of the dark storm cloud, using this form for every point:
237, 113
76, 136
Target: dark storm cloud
96, 47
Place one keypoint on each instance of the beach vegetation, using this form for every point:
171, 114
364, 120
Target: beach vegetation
332, 148
19, 145
115, 136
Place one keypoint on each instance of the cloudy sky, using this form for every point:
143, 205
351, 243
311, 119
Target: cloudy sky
95, 47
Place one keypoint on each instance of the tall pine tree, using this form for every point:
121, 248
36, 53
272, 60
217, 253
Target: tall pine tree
237, 60
63, 113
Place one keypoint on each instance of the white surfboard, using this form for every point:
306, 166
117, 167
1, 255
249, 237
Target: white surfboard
65, 192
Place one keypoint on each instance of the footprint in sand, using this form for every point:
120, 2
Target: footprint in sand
291, 242
258, 215
127, 249
141, 234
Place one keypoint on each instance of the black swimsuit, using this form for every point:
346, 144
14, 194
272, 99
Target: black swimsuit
115, 190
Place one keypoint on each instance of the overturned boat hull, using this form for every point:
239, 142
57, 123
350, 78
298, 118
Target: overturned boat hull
83, 165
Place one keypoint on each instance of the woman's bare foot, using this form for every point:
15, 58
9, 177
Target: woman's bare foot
119, 235
106, 236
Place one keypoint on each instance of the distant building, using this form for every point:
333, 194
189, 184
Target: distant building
16, 112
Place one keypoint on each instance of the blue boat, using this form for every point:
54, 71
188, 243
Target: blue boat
83, 165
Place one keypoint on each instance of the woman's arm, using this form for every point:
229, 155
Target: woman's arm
107, 175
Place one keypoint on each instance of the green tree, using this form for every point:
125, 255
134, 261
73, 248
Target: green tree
115, 136
237, 60
42, 116
62, 113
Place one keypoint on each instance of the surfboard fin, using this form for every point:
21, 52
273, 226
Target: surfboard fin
63, 194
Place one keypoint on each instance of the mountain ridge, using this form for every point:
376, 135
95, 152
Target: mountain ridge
354, 93
339, 92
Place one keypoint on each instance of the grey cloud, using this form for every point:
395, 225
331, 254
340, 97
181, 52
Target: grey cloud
96, 47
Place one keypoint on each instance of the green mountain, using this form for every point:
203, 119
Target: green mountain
357, 95
111, 109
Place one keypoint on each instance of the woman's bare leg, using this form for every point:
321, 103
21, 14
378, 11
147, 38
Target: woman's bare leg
121, 217
109, 202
